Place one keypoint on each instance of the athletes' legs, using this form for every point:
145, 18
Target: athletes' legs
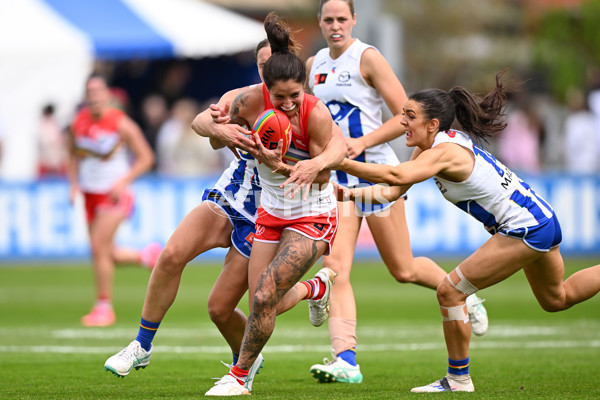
290, 260
545, 276
125, 255
102, 230
390, 232
205, 227
496, 260
342, 311
146, 257
227, 291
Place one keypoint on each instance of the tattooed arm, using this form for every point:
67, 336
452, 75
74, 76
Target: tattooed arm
220, 128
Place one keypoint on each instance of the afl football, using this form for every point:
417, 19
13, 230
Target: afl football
271, 126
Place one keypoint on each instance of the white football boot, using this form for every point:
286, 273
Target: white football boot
337, 370
477, 315
318, 310
254, 369
132, 356
227, 386
447, 384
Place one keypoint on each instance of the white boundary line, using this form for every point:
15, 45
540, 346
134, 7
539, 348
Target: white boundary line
549, 344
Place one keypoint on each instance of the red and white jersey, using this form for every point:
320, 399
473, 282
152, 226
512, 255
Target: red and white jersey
98, 145
272, 199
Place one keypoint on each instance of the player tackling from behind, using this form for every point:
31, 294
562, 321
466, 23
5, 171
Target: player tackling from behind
297, 220
225, 218
525, 231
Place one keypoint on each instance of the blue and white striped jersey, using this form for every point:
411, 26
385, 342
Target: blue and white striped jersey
240, 185
493, 194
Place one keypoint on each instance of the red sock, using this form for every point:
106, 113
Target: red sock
239, 374
315, 289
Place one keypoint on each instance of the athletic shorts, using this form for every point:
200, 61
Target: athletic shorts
99, 202
242, 235
316, 227
542, 237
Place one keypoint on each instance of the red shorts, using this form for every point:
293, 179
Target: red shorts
316, 227
97, 202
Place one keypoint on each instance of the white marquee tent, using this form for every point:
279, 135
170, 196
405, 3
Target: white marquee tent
47, 50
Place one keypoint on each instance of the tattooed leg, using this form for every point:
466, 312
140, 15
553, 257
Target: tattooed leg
295, 255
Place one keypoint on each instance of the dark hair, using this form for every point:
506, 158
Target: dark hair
261, 45
48, 109
283, 64
481, 118
350, 4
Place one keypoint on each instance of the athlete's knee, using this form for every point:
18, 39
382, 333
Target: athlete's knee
403, 273
217, 312
171, 258
554, 304
219, 241
264, 298
100, 248
451, 292
342, 271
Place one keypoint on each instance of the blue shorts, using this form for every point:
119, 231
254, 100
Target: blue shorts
542, 237
242, 235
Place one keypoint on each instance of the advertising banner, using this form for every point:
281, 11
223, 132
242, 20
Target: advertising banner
37, 222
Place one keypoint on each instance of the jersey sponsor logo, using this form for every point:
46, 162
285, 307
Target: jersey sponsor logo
507, 179
320, 78
323, 200
440, 186
344, 76
250, 238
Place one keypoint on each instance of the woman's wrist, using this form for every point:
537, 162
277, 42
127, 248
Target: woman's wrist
282, 169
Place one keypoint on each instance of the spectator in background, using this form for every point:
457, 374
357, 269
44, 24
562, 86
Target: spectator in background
582, 136
179, 152
52, 146
593, 103
174, 81
519, 144
154, 114
100, 169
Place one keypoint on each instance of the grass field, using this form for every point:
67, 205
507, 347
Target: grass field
527, 353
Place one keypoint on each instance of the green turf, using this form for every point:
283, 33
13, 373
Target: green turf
46, 354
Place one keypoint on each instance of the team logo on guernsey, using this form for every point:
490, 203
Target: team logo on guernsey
319, 227
451, 133
344, 76
320, 78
